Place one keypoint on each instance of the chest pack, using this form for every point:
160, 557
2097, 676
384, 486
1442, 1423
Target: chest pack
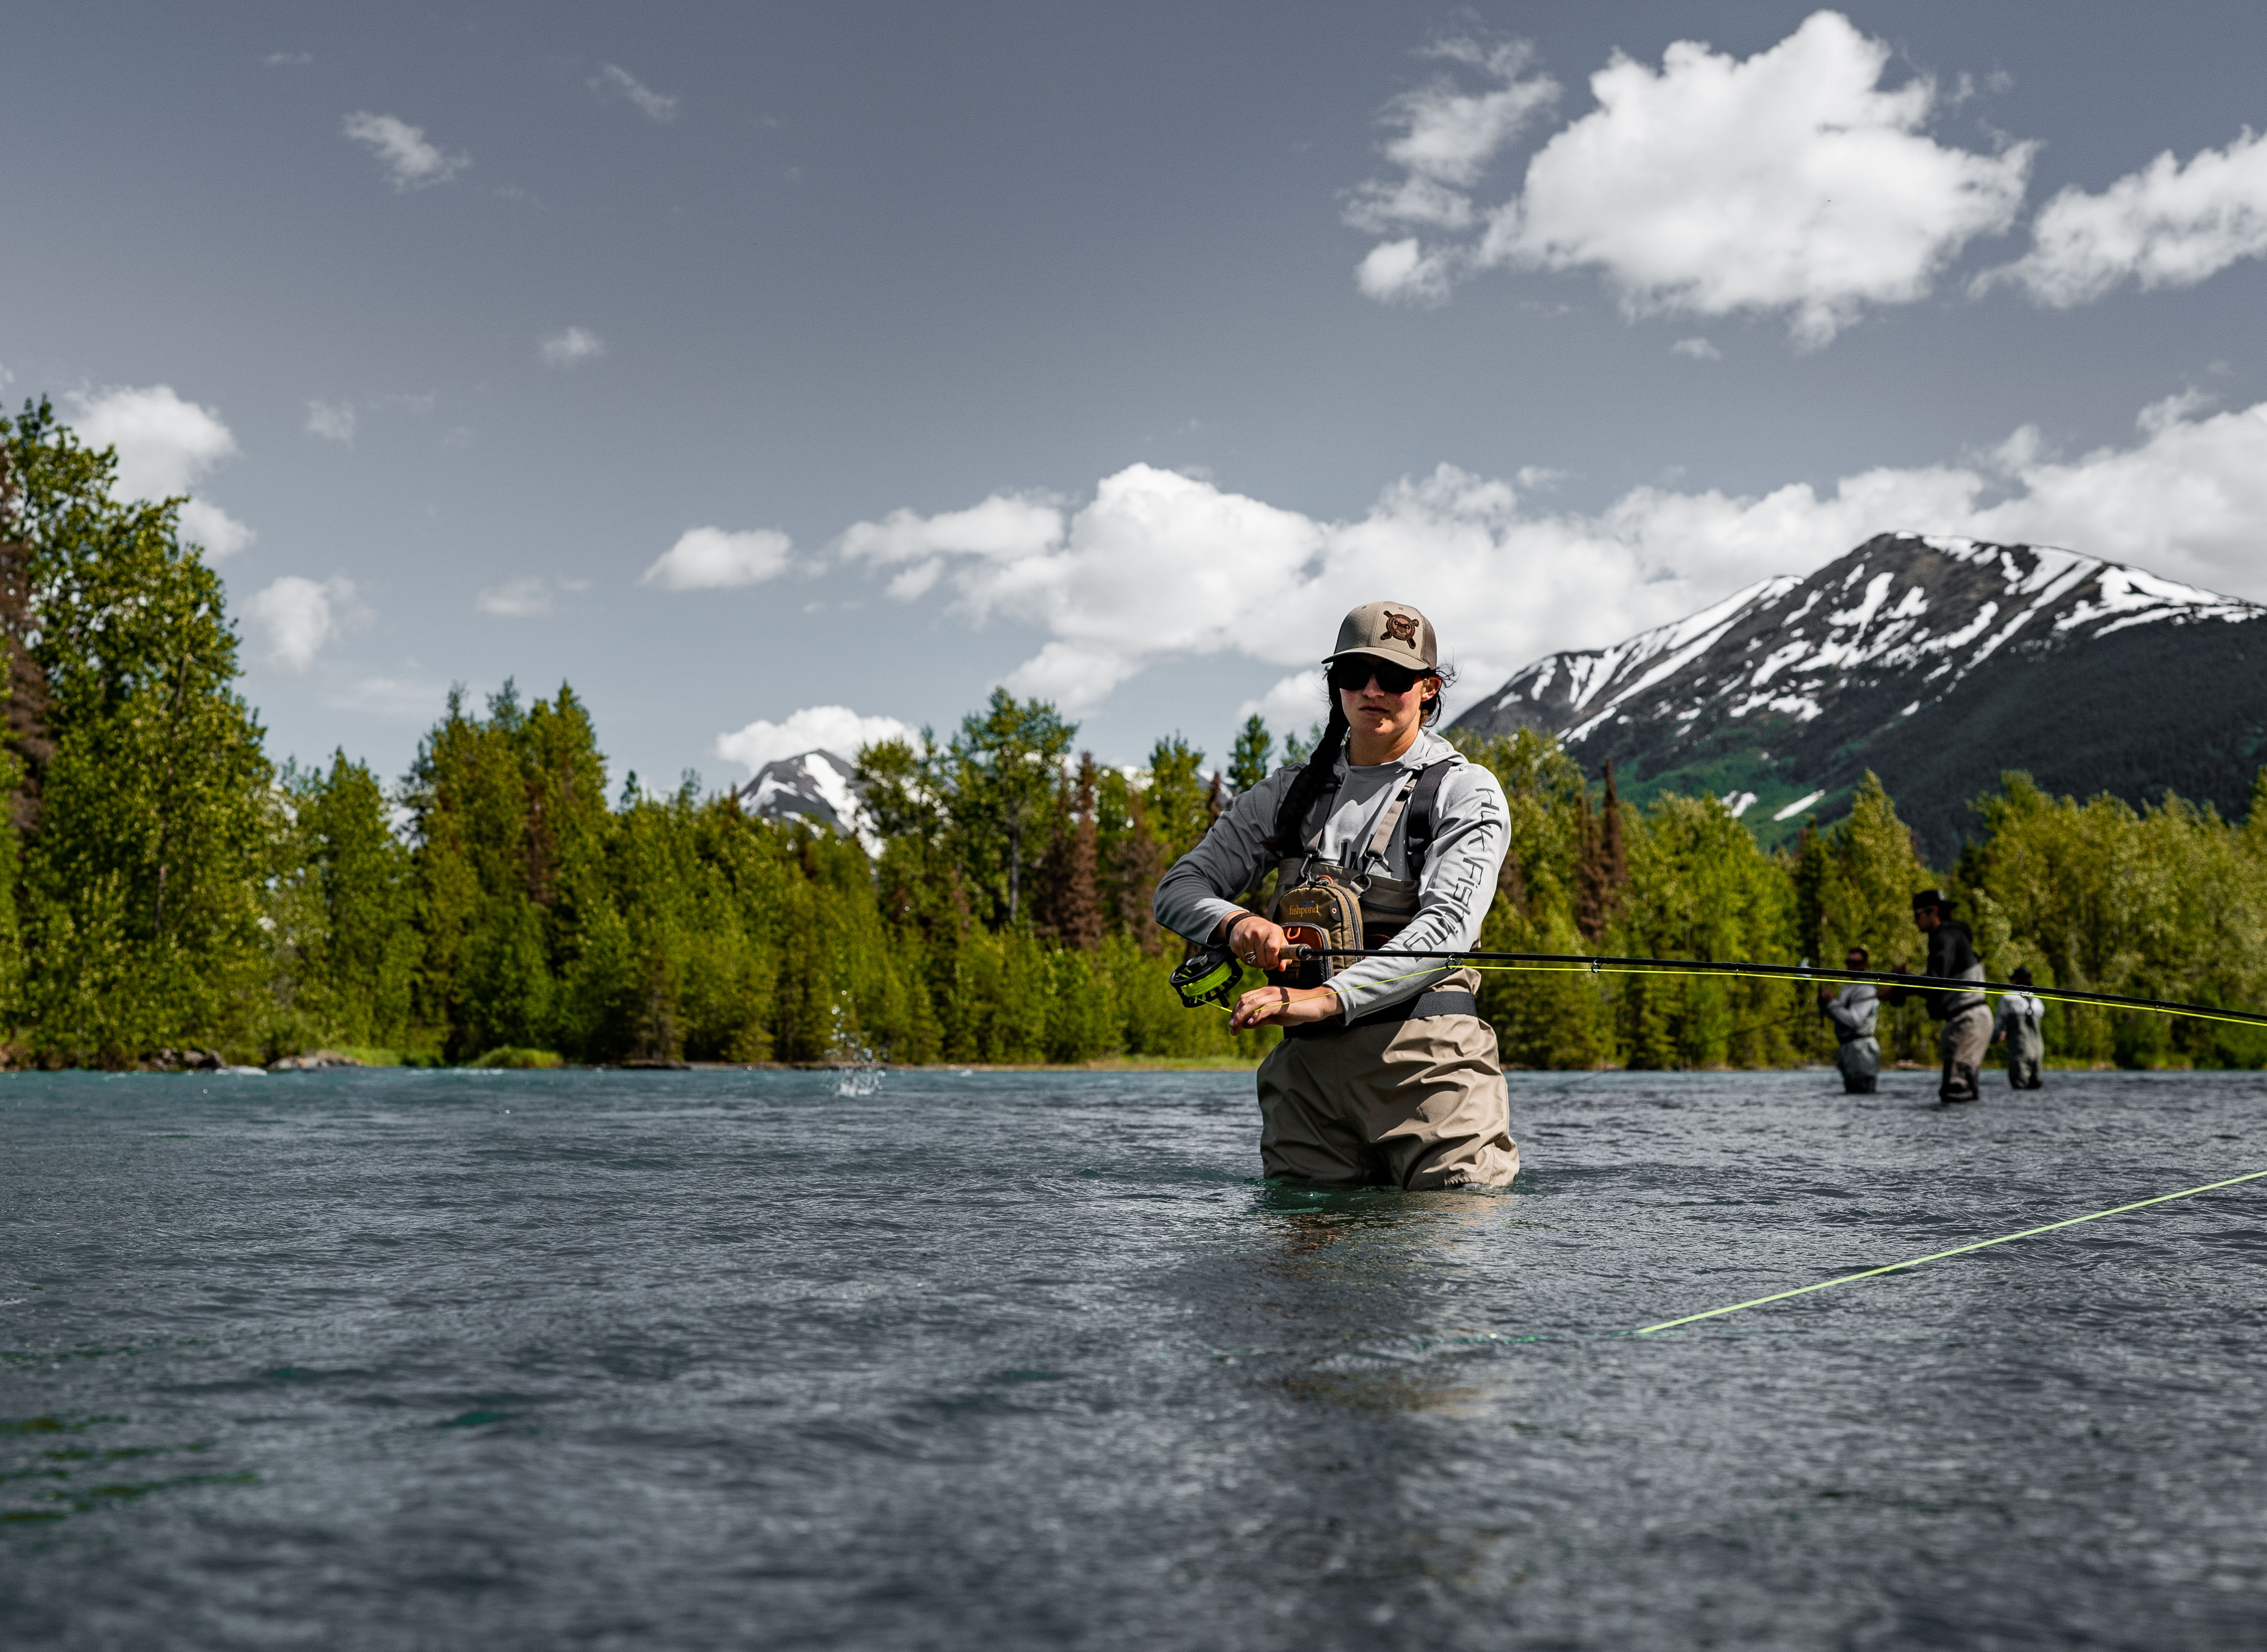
1336, 908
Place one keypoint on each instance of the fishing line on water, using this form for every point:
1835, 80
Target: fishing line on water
1937, 1256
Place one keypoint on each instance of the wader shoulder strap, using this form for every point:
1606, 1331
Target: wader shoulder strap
1416, 799
1388, 818
1427, 791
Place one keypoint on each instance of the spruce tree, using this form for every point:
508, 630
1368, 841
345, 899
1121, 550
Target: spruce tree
1247, 762
1002, 766
1136, 865
1592, 887
1074, 907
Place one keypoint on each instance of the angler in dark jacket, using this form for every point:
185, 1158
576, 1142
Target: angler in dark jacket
1967, 1026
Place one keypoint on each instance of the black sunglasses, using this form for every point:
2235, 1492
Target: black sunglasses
1352, 676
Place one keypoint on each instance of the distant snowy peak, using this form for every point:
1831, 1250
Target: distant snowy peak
1927, 609
818, 786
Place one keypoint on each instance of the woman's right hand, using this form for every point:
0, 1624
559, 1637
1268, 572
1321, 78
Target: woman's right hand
1258, 943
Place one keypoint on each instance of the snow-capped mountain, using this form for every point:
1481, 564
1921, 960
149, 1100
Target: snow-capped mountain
1938, 663
817, 785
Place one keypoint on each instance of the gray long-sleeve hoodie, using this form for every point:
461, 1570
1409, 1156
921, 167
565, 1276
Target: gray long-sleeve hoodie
1472, 828
1855, 1010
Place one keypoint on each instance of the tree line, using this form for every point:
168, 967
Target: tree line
165, 886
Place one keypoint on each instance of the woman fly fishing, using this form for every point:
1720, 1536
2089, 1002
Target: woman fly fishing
1385, 837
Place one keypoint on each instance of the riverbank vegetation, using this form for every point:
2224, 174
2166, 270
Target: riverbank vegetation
165, 886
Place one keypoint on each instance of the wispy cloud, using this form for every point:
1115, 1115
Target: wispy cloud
1699, 349
571, 347
2170, 224
333, 420
612, 81
411, 161
287, 59
712, 558
407, 698
527, 597
1446, 137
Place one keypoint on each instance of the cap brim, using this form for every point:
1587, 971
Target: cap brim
1408, 661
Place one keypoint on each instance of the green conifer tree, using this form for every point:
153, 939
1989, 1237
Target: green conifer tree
141, 891
1247, 762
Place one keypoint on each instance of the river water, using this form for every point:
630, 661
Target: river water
582, 1360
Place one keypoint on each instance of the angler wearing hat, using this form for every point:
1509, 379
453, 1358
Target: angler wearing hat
1385, 837
1967, 1026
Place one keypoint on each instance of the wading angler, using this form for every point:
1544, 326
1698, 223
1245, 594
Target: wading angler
1385, 837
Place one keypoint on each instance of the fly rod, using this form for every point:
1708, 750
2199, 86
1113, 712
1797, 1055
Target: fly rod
1584, 963
1212, 975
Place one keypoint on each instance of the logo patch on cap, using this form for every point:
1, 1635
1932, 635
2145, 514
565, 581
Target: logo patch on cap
1402, 628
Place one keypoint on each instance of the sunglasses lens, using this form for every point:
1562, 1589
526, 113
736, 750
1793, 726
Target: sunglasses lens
1353, 676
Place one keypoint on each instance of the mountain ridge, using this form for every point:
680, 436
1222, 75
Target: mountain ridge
1939, 663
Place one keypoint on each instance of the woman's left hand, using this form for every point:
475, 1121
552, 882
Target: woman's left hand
1285, 1006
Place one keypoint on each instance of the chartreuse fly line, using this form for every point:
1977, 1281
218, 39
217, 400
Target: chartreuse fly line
1937, 1256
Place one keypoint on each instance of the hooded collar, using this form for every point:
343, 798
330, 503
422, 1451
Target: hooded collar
1427, 748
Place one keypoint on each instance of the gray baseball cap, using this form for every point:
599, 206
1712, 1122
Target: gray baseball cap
1390, 631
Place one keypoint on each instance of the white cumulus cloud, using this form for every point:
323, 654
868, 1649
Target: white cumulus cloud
1788, 182
165, 446
1161, 565
571, 347
333, 420
713, 559
612, 81
835, 729
411, 161
297, 616
2170, 224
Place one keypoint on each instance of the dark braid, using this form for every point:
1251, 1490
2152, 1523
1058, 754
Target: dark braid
1310, 783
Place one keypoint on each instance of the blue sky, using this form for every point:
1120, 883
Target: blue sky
741, 364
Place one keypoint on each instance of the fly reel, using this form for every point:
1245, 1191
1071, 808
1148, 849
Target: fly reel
1210, 976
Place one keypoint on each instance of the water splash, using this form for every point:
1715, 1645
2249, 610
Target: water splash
857, 1064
